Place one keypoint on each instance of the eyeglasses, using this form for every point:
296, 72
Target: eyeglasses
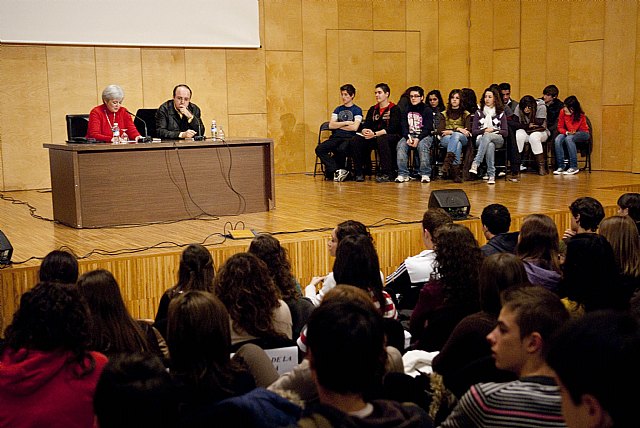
415, 96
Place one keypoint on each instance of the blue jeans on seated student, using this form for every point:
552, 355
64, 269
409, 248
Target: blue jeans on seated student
487, 144
423, 148
570, 140
454, 144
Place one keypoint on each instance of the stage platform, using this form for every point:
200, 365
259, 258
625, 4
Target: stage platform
144, 258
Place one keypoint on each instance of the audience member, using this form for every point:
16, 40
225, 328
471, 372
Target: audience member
135, 391
47, 373
538, 247
452, 292
405, 283
345, 379
622, 234
595, 359
179, 117
381, 130
196, 272
572, 129
268, 249
345, 121
258, 315
586, 215
496, 221
530, 315
629, 205
59, 266
104, 117
531, 127
454, 127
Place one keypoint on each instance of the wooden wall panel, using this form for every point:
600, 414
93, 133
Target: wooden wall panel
619, 51
506, 23
282, 29
78, 93
585, 82
453, 36
413, 63
481, 41
389, 15
285, 118
356, 63
246, 81
616, 142
121, 66
587, 20
533, 48
162, 70
423, 16
355, 15
25, 117
388, 68
506, 68
557, 46
636, 105
389, 41
247, 125
206, 71
334, 57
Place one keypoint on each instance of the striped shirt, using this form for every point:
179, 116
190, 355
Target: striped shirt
527, 402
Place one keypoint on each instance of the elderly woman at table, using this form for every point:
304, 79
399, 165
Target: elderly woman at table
103, 117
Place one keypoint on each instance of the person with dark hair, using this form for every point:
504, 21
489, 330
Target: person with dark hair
539, 248
505, 94
490, 129
572, 129
343, 229
496, 221
179, 117
554, 106
530, 121
454, 127
59, 266
47, 373
529, 317
406, 282
345, 121
434, 98
347, 360
586, 215
258, 314
469, 100
629, 205
451, 293
465, 358
591, 280
416, 130
196, 272
591, 354
381, 130
113, 330
269, 250
135, 391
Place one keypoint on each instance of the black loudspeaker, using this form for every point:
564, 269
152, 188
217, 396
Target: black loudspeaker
6, 250
454, 202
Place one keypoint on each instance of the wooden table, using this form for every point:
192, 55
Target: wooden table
96, 185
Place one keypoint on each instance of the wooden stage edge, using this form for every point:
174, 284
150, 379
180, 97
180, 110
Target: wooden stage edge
145, 258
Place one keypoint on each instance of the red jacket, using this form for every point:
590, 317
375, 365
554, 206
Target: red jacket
41, 389
566, 123
101, 120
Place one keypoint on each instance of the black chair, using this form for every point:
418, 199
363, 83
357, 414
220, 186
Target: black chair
77, 125
145, 122
586, 148
323, 127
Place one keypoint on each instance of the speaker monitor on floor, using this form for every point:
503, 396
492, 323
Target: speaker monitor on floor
5, 250
454, 202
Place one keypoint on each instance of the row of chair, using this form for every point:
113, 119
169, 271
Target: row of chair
144, 120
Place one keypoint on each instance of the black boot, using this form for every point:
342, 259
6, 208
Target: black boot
542, 165
448, 160
457, 173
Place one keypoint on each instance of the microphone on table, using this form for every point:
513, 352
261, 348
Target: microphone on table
146, 138
200, 136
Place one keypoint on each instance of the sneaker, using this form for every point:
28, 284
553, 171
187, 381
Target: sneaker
383, 179
485, 177
425, 179
402, 179
340, 175
514, 178
523, 168
571, 171
502, 174
359, 178
558, 171
474, 168
492, 180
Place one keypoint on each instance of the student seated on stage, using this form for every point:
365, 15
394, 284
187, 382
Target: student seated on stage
529, 317
345, 121
496, 221
530, 122
103, 117
179, 117
509, 103
454, 127
572, 129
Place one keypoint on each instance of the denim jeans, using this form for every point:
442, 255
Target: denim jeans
454, 144
403, 150
487, 144
571, 140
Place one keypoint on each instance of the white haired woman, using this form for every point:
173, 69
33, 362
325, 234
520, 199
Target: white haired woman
103, 117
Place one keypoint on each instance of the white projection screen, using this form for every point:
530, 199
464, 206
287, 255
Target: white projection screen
168, 23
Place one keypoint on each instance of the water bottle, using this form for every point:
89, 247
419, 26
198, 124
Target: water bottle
214, 129
220, 133
124, 138
116, 133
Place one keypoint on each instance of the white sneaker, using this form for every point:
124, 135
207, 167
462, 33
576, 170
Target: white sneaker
485, 177
502, 174
474, 168
523, 168
340, 175
571, 171
558, 171
492, 180
425, 179
402, 179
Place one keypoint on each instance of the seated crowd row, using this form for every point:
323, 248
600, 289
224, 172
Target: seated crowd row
411, 125
500, 335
